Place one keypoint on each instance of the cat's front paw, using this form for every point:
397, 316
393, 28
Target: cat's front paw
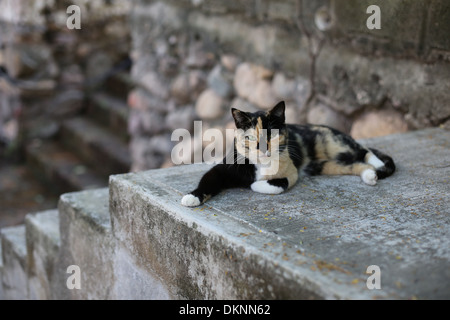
190, 200
263, 186
369, 177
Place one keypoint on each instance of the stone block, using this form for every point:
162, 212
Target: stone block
378, 123
209, 105
252, 82
220, 81
285, 11
324, 115
146, 123
401, 25
270, 44
155, 85
14, 253
283, 87
438, 27
180, 89
42, 239
358, 81
181, 118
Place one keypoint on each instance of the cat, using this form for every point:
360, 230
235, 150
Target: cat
264, 142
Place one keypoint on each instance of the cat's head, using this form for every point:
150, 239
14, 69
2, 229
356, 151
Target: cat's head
260, 134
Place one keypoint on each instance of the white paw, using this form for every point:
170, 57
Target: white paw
369, 177
264, 187
190, 200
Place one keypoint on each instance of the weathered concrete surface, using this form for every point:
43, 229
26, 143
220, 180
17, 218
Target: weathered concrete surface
134, 282
107, 270
42, 240
14, 274
315, 241
86, 242
1, 271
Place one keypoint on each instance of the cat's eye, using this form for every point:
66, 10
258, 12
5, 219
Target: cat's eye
250, 137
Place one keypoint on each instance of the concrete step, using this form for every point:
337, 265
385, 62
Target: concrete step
97, 146
315, 241
119, 84
111, 112
107, 271
14, 254
21, 193
2, 296
43, 244
38, 255
60, 169
87, 243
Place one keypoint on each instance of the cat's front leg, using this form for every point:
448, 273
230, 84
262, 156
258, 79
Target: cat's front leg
273, 186
210, 184
220, 177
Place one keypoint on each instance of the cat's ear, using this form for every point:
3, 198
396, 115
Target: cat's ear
277, 112
241, 119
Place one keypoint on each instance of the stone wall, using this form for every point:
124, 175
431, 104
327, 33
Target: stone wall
194, 60
47, 69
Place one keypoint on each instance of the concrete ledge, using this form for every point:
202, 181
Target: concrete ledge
43, 242
14, 275
315, 241
86, 242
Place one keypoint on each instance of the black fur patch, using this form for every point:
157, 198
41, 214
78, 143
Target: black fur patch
314, 168
349, 158
308, 137
389, 166
283, 183
295, 152
224, 176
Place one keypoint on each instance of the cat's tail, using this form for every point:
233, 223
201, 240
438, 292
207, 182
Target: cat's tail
385, 165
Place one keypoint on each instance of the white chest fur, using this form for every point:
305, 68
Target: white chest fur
264, 171
272, 170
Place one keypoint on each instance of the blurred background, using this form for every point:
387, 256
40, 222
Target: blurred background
77, 105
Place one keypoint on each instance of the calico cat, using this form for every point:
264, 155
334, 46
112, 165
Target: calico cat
269, 154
